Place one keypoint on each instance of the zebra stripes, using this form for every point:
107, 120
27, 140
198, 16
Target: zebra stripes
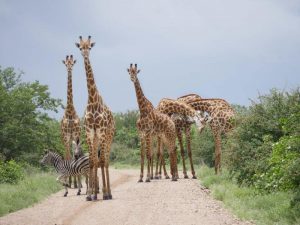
67, 168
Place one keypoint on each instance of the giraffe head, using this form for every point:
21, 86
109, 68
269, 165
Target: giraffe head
85, 46
201, 121
133, 71
69, 62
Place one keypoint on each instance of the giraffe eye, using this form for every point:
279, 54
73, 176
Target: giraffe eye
80, 49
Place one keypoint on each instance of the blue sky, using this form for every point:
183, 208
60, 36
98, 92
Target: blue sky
230, 49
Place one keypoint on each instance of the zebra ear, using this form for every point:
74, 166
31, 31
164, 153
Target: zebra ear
46, 151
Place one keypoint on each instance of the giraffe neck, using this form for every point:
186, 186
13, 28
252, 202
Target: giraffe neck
93, 94
171, 106
204, 105
145, 105
70, 91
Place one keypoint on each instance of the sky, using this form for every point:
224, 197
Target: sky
233, 49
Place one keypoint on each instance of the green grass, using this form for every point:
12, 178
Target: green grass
32, 189
246, 203
122, 165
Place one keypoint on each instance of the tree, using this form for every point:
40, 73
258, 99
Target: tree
25, 127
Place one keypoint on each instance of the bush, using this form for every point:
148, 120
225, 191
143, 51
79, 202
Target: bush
10, 172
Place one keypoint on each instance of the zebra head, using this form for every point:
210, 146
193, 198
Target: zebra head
77, 149
46, 158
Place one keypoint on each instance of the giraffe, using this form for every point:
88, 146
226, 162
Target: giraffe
99, 127
70, 124
152, 123
221, 120
181, 114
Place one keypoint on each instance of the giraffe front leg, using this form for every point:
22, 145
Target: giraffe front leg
148, 152
108, 182
217, 137
157, 160
142, 159
188, 141
179, 136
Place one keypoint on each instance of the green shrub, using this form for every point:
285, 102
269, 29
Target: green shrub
10, 172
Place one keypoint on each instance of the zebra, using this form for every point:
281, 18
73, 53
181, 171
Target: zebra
67, 168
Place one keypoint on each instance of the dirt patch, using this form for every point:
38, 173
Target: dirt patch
157, 202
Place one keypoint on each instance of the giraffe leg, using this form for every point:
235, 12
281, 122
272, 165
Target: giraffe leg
151, 172
163, 164
217, 137
142, 159
157, 162
179, 136
108, 182
148, 153
188, 141
89, 139
160, 165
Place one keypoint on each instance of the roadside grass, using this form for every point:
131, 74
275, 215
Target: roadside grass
248, 204
122, 165
32, 189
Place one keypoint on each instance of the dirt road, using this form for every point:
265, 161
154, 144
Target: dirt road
159, 202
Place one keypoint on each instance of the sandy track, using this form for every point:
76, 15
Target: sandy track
158, 202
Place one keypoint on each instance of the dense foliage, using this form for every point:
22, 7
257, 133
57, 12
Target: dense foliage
25, 127
10, 172
264, 149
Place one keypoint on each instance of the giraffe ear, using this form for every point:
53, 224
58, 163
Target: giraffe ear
74, 61
77, 45
93, 44
138, 71
63, 61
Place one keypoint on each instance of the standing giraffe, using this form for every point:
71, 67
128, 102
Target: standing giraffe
221, 120
153, 123
181, 114
70, 124
99, 127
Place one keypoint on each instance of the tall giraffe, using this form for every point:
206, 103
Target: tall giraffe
221, 120
181, 114
152, 123
99, 127
70, 124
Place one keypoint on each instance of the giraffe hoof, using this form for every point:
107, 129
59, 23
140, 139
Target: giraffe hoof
66, 193
167, 177
88, 198
174, 179
148, 180
75, 186
140, 180
109, 196
79, 192
156, 177
194, 177
105, 197
186, 176
151, 178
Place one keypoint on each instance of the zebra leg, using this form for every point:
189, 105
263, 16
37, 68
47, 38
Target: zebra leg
75, 182
87, 183
63, 180
79, 184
